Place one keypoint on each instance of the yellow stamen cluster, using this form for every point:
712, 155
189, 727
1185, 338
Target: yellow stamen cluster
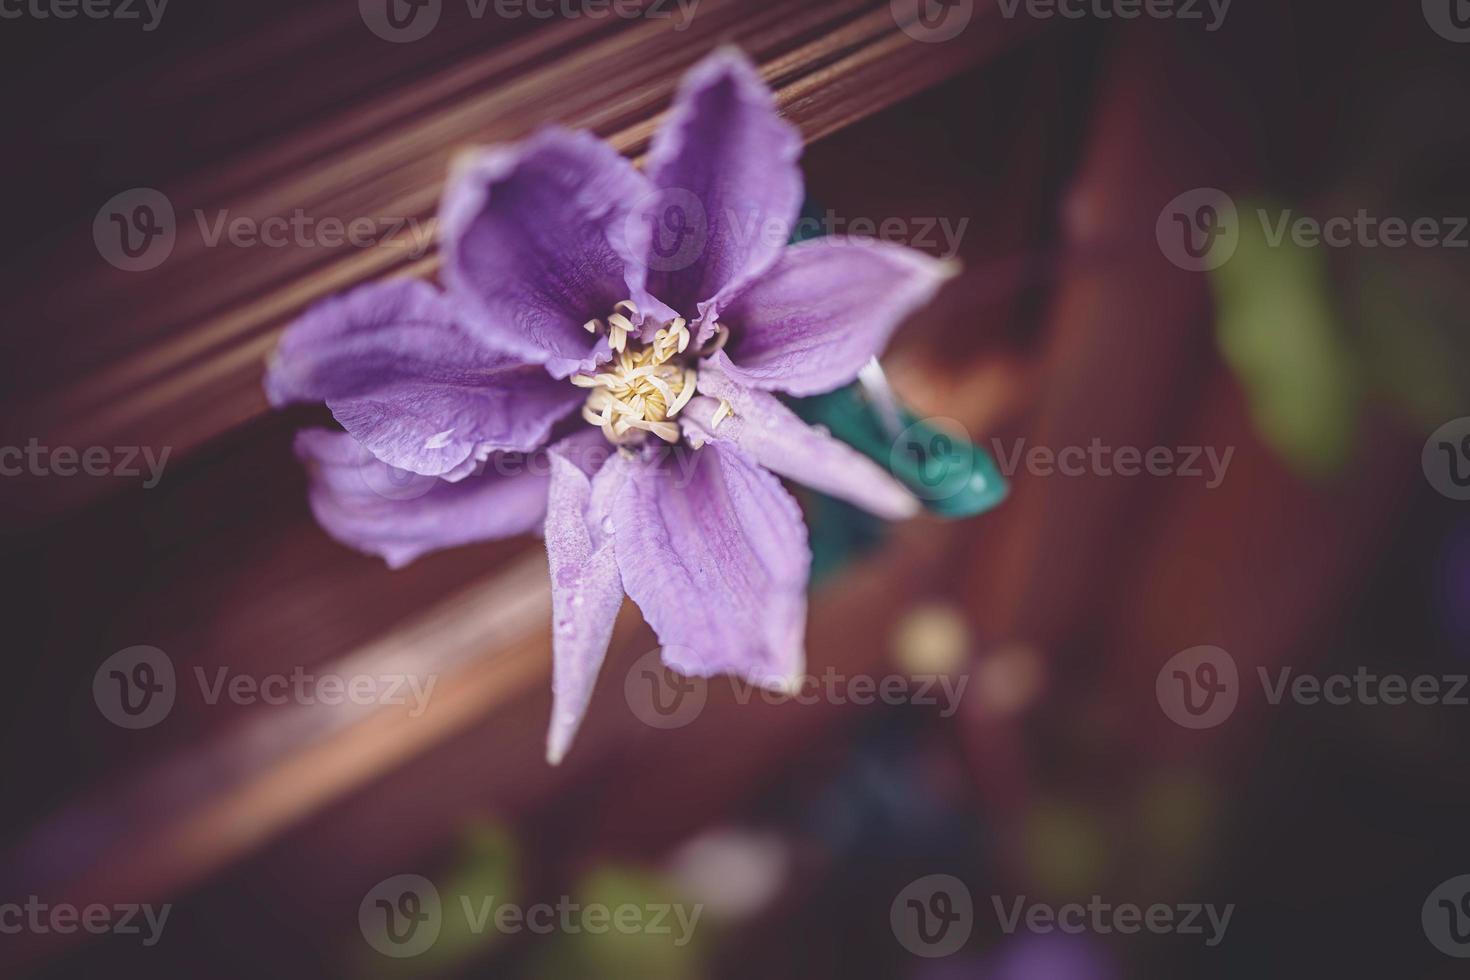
643, 388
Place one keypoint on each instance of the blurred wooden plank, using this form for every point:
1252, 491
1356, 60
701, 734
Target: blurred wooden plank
161, 825
177, 357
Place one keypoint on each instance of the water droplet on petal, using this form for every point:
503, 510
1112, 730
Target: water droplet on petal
578, 599
607, 525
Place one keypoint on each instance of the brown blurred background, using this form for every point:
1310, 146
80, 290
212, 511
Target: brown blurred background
1332, 544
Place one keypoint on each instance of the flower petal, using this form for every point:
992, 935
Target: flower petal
403, 376
398, 515
528, 236
729, 188
586, 590
829, 305
773, 436
714, 552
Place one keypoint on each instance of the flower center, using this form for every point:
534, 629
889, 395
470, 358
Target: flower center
645, 386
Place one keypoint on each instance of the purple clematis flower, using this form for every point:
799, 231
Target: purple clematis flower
602, 365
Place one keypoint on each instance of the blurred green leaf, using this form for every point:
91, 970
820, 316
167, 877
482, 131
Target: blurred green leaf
666, 943
486, 870
1278, 330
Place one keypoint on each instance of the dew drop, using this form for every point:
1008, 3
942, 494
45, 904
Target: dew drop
607, 525
578, 599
